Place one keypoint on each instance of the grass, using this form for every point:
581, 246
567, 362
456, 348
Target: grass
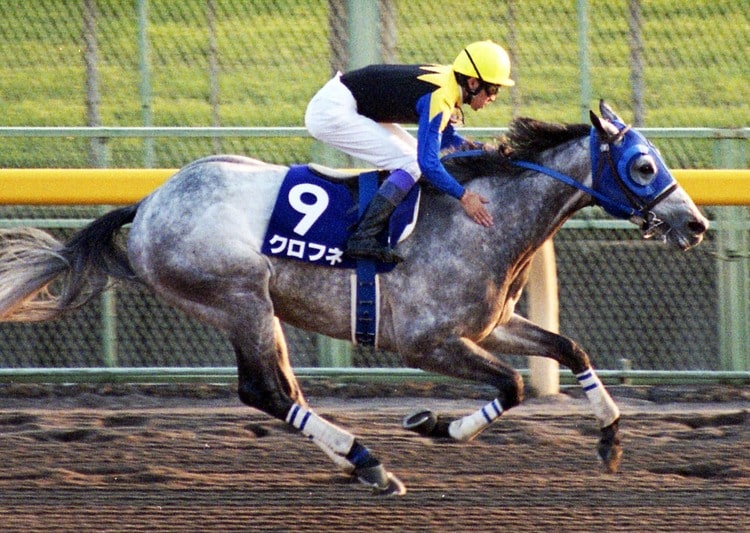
274, 55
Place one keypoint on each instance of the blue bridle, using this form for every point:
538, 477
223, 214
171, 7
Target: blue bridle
614, 187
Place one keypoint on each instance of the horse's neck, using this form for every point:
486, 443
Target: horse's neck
553, 202
527, 210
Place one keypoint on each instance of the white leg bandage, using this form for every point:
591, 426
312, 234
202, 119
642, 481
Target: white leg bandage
468, 427
339, 460
604, 407
329, 437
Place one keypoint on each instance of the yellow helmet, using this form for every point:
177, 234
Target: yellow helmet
486, 61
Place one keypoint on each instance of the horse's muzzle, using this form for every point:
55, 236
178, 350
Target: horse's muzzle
691, 235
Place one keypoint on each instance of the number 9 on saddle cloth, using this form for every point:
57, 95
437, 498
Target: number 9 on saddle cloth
314, 215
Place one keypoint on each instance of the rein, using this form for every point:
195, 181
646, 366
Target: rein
602, 177
643, 211
559, 176
610, 189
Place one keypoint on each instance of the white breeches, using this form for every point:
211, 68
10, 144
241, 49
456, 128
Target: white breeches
332, 118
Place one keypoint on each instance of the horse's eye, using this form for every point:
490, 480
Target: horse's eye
643, 169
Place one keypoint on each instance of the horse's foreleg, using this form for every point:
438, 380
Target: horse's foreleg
522, 337
605, 408
608, 414
462, 358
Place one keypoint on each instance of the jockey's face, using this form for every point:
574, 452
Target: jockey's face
485, 94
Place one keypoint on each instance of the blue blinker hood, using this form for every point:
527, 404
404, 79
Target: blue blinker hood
611, 165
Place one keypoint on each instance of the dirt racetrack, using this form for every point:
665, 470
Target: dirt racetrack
191, 458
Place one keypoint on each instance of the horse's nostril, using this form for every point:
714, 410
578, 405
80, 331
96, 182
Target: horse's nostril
697, 227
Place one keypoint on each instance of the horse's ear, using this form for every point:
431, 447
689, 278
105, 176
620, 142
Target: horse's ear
608, 113
603, 126
597, 123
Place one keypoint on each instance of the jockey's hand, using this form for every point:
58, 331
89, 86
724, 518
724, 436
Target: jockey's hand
473, 205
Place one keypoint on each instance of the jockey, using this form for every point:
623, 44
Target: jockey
358, 112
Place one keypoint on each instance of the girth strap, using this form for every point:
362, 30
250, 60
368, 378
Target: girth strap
365, 308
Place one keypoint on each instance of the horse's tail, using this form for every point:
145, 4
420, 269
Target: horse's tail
31, 260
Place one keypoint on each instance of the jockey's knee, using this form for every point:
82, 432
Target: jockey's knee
413, 169
511, 390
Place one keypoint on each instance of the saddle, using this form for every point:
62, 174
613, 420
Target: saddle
335, 174
317, 208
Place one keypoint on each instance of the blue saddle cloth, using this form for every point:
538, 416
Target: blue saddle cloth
313, 218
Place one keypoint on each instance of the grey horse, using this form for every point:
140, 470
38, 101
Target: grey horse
448, 308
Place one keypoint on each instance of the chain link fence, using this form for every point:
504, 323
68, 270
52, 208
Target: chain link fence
661, 63
256, 63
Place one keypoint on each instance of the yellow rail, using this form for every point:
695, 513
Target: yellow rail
127, 186
716, 187
78, 186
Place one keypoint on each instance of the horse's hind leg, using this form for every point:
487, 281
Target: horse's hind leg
221, 280
266, 382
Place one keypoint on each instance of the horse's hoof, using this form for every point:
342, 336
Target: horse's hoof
383, 483
427, 424
423, 422
394, 487
611, 458
609, 449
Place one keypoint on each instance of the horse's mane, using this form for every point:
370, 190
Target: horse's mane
526, 140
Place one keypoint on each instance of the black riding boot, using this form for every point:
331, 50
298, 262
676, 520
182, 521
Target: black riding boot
363, 243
